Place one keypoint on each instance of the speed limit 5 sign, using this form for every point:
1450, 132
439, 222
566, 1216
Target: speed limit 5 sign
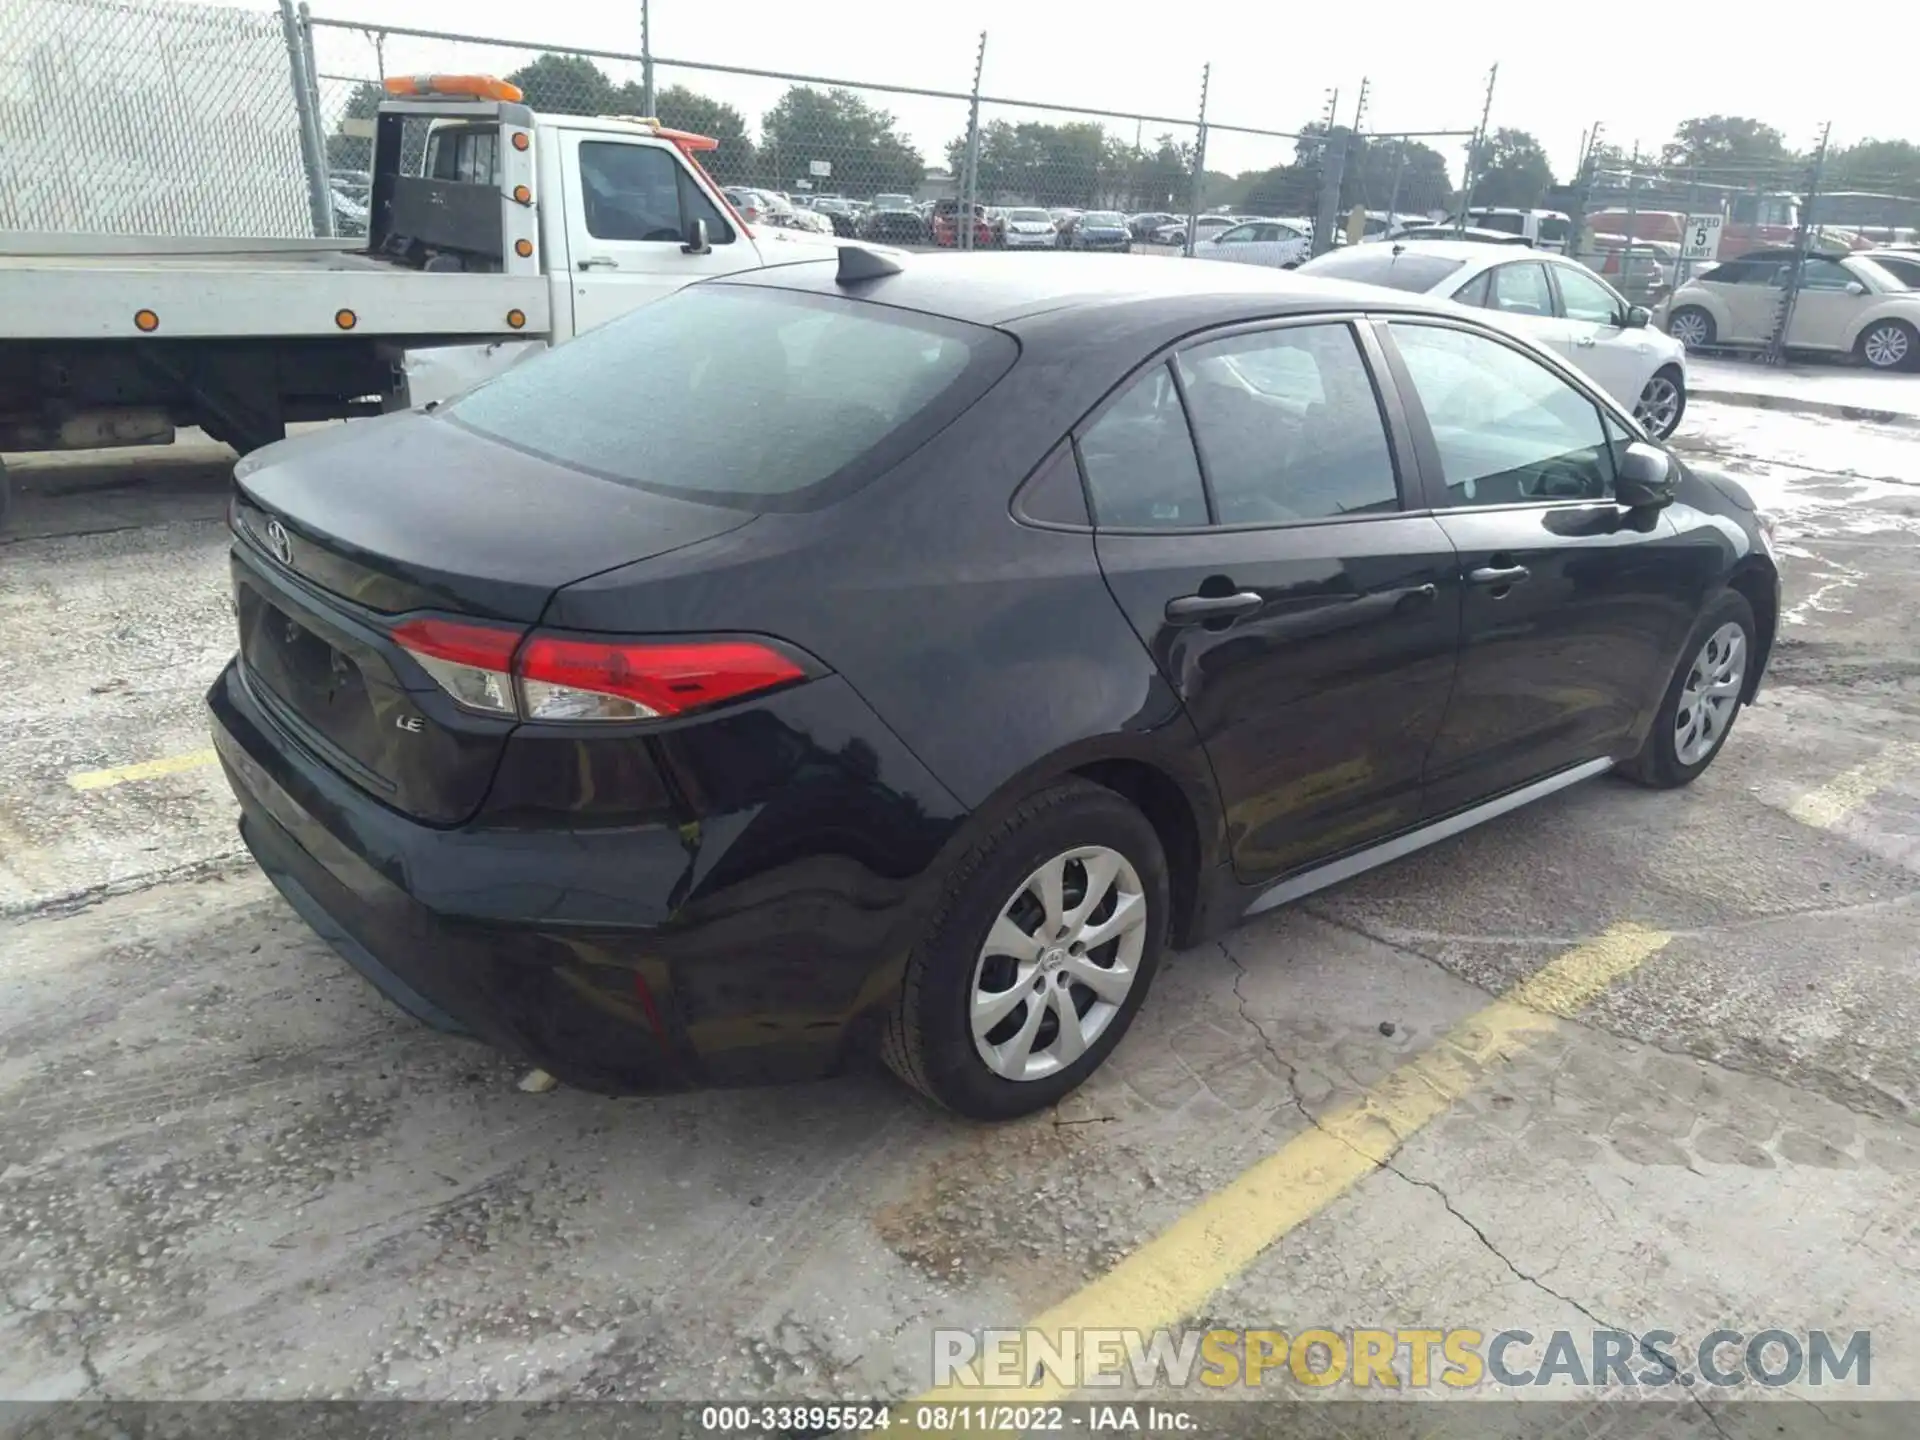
1702, 240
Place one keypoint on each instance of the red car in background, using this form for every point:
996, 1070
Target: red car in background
946, 230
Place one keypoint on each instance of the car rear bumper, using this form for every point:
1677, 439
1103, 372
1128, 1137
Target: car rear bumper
758, 966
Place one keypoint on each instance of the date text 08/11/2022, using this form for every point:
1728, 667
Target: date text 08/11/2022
981, 1419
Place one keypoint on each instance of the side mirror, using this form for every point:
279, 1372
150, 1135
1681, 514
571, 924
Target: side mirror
1646, 478
1854, 287
1638, 317
696, 243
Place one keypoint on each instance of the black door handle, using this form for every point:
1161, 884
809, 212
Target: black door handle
1187, 609
1498, 574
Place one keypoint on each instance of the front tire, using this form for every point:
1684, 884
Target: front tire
1692, 327
1040, 951
1702, 699
1662, 402
1889, 345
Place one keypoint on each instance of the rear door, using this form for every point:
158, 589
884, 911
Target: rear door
1250, 521
629, 202
1573, 607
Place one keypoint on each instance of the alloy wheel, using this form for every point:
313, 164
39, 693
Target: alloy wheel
1058, 963
1886, 346
1689, 327
1711, 694
1659, 407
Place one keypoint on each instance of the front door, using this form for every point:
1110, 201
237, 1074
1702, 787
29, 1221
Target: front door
1825, 309
1595, 338
1263, 555
628, 204
1571, 615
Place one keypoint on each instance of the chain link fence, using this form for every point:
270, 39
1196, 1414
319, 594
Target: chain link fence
148, 117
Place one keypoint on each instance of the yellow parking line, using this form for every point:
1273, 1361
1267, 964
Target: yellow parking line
1829, 804
145, 770
1171, 1276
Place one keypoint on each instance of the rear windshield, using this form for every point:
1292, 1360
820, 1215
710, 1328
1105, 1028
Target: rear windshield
738, 395
1383, 263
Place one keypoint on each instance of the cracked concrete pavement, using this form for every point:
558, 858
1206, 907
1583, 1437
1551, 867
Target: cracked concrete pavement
229, 1170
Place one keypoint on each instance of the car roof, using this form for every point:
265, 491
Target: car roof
1471, 251
1001, 290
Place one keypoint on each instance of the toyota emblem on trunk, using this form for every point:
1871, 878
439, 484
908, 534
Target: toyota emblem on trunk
278, 542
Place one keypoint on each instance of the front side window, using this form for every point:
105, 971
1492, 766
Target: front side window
1584, 298
1138, 456
640, 192
1234, 236
1825, 275
1289, 426
1522, 289
1508, 429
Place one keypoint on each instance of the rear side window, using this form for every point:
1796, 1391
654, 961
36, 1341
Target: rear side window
1522, 289
740, 395
1288, 426
1384, 264
1139, 460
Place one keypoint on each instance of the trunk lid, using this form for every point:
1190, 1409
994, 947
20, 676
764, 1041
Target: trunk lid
341, 532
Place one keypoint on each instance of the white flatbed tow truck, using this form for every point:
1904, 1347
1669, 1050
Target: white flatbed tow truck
492, 232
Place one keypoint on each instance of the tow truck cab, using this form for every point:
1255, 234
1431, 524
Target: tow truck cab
491, 231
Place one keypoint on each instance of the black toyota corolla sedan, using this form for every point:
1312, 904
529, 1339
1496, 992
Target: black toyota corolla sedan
902, 653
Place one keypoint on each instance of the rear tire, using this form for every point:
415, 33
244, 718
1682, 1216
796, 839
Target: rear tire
929, 1039
1689, 322
1692, 724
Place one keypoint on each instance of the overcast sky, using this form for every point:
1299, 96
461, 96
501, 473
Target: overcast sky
1273, 63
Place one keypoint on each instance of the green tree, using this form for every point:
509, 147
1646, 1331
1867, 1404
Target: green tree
1885, 166
679, 108
1387, 171
1511, 169
1722, 141
567, 85
860, 141
354, 152
1040, 164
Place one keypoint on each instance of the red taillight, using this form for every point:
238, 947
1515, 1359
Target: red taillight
571, 678
499, 670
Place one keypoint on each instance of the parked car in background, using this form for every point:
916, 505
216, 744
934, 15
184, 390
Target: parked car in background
1468, 234
1097, 230
1030, 228
840, 214
1902, 265
1205, 228
653, 794
1846, 305
895, 220
1062, 216
1280, 243
1642, 270
946, 225
1550, 299
1542, 229
1143, 225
